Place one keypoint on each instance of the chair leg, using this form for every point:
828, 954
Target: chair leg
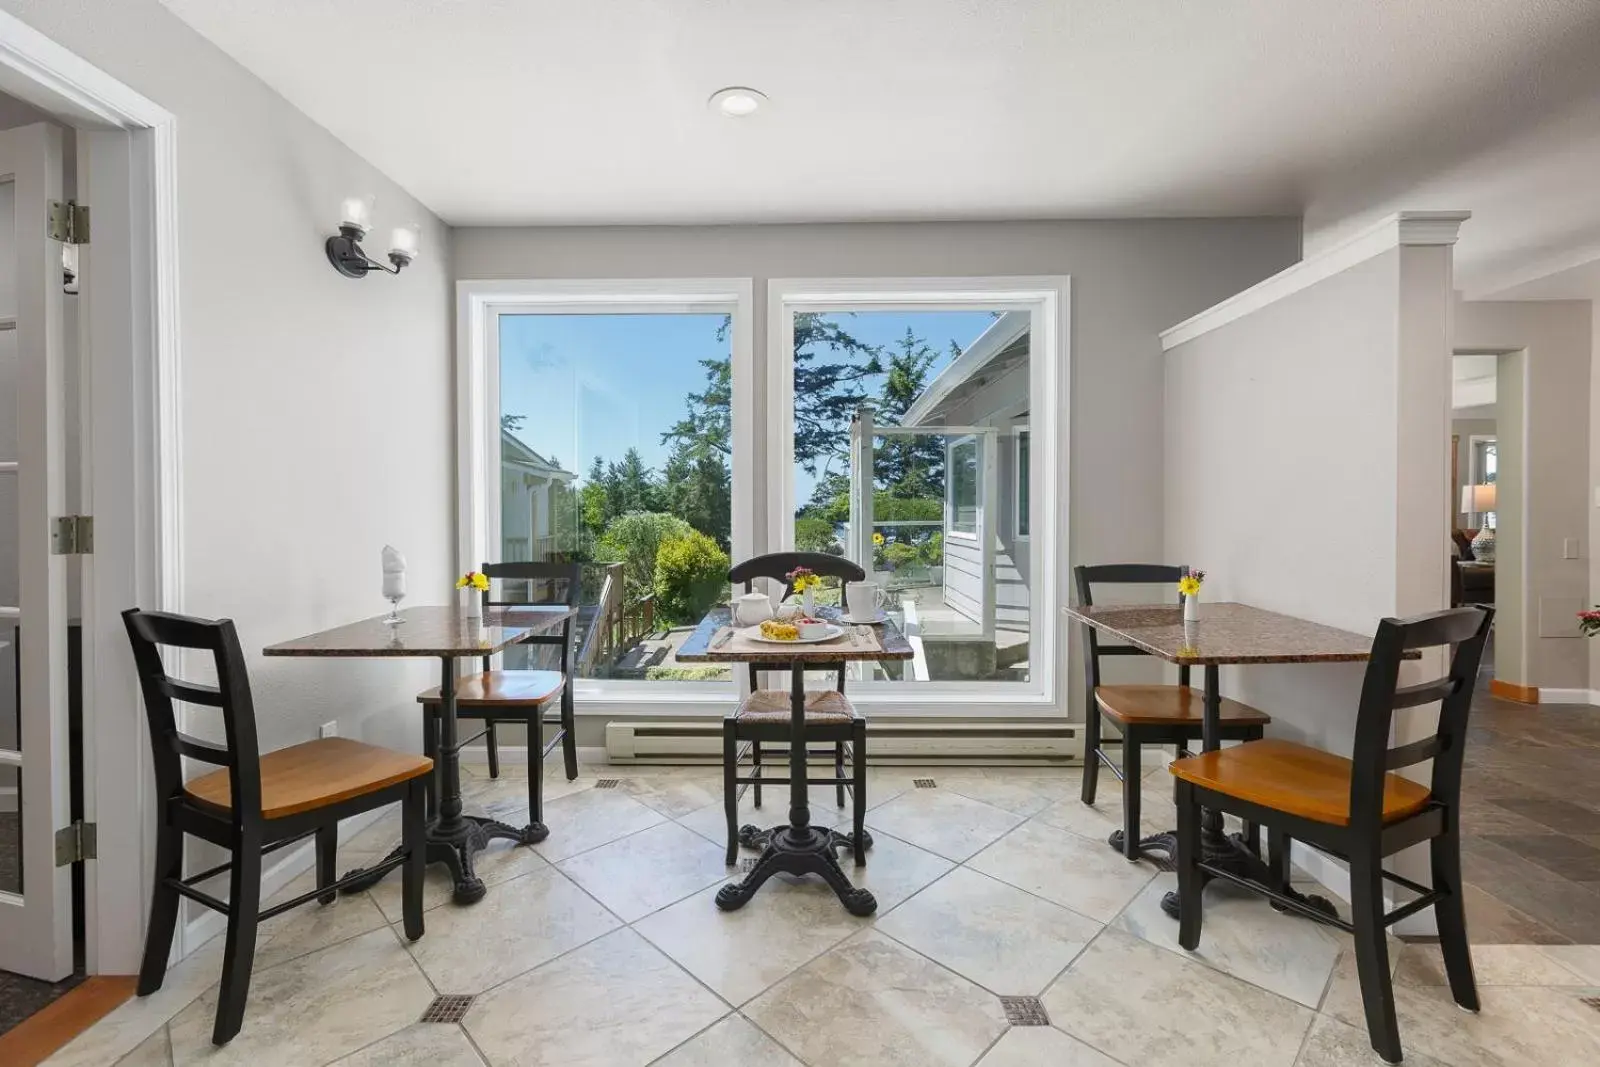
239, 949
415, 871
1278, 858
858, 759
1131, 781
492, 743
730, 787
1252, 836
327, 861
164, 901
536, 766
838, 770
430, 748
1451, 915
1091, 753
755, 760
569, 741
1372, 954
1190, 884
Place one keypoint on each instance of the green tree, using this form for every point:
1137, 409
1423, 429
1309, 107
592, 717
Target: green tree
633, 540
691, 574
634, 483
595, 501
697, 487
909, 467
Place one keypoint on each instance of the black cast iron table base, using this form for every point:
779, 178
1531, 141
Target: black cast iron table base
798, 851
757, 838
453, 845
1233, 854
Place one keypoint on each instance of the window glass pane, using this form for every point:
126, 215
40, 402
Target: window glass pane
1023, 447
942, 391
614, 453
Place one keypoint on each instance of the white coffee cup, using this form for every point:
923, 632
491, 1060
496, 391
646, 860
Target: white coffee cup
864, 599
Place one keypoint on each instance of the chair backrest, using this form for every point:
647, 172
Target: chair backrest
1118, 574
149, 632
529, 584
778, 564
1464, 630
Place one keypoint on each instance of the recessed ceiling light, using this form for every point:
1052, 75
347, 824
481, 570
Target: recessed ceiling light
737, 101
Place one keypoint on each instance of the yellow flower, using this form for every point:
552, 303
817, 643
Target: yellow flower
1189, 585
877, 538
476, 579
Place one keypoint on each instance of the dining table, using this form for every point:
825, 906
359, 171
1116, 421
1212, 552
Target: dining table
1224, 634
796, 847
449, 635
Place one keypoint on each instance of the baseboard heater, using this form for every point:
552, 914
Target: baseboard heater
998, 743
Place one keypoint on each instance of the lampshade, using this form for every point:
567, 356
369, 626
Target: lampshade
1477, 498
356, 211
403, 243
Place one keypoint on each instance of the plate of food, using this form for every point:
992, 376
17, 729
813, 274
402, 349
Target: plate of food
800, 631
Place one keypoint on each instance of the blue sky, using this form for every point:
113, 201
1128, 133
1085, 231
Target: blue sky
597, 384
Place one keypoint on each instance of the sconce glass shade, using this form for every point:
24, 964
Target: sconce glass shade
403, 243
356, 213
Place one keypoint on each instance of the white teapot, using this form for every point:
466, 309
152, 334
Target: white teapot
752, 609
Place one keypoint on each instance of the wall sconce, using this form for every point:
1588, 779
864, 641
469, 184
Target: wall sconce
344, 248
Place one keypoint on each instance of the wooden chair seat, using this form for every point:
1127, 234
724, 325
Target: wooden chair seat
503, 689
314, 775
1169, 705
1294, 779
773, 706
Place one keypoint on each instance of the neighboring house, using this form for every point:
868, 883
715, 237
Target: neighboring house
530, 508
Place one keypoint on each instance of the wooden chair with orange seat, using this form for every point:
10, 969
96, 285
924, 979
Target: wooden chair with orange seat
1357, 810
520, 695
253, 804
1143, 714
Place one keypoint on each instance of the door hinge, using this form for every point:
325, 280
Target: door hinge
76, 842
68, 222
73, 535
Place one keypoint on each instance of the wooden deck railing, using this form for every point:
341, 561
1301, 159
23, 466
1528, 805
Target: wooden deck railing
615, 625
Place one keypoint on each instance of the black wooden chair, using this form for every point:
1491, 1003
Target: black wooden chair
767, 714
1357, 810
254, 804
520, 695
1143, 714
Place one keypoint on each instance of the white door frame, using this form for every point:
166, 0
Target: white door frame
131, 478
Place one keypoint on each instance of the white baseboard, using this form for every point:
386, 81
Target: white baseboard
295, 862
1569, 696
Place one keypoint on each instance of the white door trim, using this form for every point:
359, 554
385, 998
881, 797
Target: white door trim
132, 476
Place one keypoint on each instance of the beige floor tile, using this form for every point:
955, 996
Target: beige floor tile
1043, 1046
516, 926
135, 1020
153, 1051
1516, 1025
589, 819
1063, 772
942, 822
1582, 960
418, 1045
646, 871
871, 1001
675, 795
733, 1042
502, 861
1010, 942
711, 821
506, 797
1241, 935
1492, 965
1333, 1044
313, 1009
1072, 871
1097, 821
313, 926
616, 1002
1017, 795
1143, 1005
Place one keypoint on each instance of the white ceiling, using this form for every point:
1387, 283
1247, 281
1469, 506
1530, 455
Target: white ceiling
593, 111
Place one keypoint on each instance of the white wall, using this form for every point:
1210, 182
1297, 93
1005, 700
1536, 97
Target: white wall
1555, 338
1130, 279
317, 411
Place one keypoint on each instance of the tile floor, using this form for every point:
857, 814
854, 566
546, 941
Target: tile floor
602, 947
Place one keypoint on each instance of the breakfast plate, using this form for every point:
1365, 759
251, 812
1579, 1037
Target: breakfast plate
831, 631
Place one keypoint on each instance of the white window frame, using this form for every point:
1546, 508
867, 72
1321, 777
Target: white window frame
1047, 299
1019, 430
479, 304
951, 506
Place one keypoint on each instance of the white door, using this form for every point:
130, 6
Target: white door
35, 894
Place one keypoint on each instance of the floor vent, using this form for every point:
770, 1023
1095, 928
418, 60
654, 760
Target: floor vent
923, 783
448, 1008
1025, 1011
748, 864
1593, 1002
607, 783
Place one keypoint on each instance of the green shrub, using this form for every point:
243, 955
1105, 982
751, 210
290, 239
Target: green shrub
898, 554
633, 540
691, 574
813, 533
698, 673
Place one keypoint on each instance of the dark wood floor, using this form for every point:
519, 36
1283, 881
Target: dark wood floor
1531, 823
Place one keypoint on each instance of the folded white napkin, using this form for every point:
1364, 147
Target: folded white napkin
394, 573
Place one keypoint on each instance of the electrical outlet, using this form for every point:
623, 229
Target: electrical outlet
329, 729
1569, 548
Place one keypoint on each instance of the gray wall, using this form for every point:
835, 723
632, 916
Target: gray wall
1130, 280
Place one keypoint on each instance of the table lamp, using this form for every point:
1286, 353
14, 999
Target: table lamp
1480, 499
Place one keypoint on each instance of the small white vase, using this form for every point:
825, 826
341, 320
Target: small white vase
471, 602
1191, 608
809, 598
